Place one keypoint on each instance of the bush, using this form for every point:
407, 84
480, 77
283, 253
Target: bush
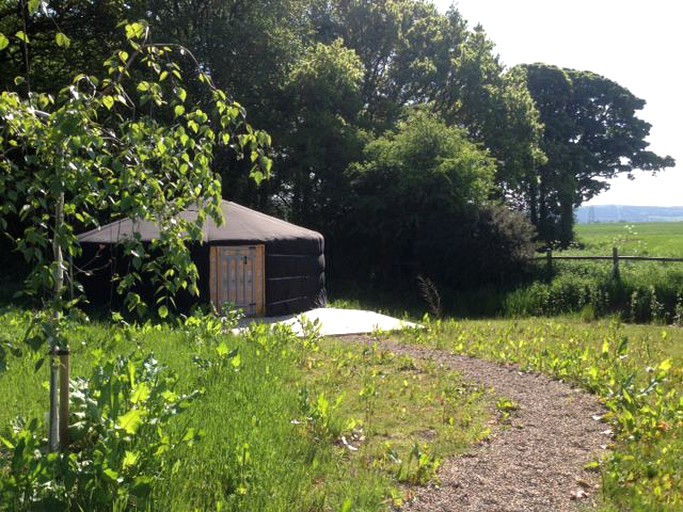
490, 245
646, 292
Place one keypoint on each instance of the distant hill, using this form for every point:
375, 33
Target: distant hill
621, 213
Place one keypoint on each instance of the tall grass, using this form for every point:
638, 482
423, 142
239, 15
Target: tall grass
283, 423
645, 292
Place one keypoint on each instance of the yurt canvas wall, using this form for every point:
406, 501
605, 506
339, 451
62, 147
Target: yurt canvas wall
262, 264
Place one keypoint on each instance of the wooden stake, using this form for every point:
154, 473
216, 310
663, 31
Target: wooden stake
53, 438
615, 261
64, 395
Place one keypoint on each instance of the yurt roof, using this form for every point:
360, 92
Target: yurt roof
239, 224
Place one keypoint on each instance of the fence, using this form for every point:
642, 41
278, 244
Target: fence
615, 258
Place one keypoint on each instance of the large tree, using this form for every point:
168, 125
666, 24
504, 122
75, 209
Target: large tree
416, 185
322, 138
592, 133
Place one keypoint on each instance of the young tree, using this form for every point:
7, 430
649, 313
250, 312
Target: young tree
416, 184
125, 145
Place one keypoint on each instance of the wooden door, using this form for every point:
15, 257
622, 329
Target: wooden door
238, 277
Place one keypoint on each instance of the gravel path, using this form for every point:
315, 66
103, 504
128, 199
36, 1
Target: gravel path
535, 464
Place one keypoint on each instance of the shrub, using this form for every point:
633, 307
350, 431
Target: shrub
118, 438
644, 293
487, 245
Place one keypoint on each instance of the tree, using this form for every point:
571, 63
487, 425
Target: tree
592, 134
89, 27
322, 138
126, 145
414, 55
414, 187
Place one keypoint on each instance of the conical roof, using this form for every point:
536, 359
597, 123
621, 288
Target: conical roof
240, 224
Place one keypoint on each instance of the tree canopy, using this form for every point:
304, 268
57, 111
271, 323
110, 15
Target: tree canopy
336, 83
591, 134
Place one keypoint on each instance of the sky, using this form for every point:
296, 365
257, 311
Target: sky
635, 43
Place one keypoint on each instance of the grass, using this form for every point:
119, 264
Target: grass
636, 369
662, 239
331, 425
285, 423
645, 291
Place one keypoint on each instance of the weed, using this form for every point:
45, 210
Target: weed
506, 406
430, 293
118, 439
638, 376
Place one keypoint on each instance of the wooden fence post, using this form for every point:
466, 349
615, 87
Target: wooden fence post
615, 262
549, 263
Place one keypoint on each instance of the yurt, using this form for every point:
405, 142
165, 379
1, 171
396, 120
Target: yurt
258, 263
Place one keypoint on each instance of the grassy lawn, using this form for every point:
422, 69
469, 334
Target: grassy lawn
326, 424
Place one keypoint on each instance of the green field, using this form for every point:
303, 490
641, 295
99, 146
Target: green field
663, 239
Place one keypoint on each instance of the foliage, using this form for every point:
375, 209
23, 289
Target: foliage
62, 39
489, 246
323, 88
75, 160
417, 183
119, 434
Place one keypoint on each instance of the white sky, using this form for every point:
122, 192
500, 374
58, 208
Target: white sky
636, 43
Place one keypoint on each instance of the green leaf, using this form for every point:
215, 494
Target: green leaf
62, 40
33, 6
113, 475
22, 36
222, 350
108, 102
163, 311
141, 393
130, 422
179, 110
665, 365
605, 348
3, 41
130, 459
190, 435
7, 443
135, 31
236, 361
